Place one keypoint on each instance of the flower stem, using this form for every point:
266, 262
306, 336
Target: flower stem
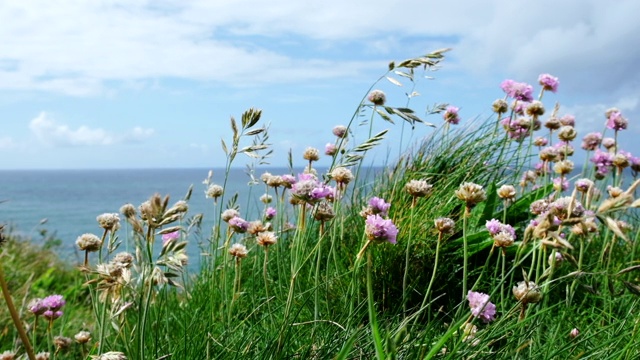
15, 317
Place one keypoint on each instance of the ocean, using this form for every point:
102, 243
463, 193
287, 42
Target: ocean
66, 203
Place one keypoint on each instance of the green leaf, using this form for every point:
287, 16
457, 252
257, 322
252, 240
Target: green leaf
488, 207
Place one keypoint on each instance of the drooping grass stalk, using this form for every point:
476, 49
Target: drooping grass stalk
14, 316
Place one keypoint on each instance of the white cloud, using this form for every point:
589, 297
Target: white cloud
49, 132
77, 47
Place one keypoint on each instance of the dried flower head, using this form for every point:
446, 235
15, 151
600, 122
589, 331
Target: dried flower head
83, 337
527, 292
567, 133
536, 108
418, 188
111, 355
7, 355
44, 355
591, 141
481, 307
342, 175
377, 97
500, 106
128, 210
238, 250
471, 193
123, 260
608, 143
214, 191
568, 120
444, 225
311, 154
257, 226
229, 214
507, 192
540, 141
323, 211
340, 131
109, 221
266, 198
266, 238
62, 342
89, 242
563, 167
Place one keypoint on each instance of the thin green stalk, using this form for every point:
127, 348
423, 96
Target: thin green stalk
465, 254
427, 295
406, 259
377, 340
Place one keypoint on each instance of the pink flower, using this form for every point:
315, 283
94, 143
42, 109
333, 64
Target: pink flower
270, 213
481, 307
170, 237
548, 82
379, 206
616, 121
379, 229
518, 91
330, 149
451, 115
239, 224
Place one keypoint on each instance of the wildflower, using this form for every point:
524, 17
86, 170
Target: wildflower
568, 120
548, 154
507, 192
270, 213
89, 242
123, 260
557, 256
266, 198
36, 307
563, 205
256, 227
539, 206
450, 115
472, 194
563, 167
274, 181
308, 189
61, 342
615, 121
444, 225
8, 355
552, 123
481, 307
53, 302
548, 82
311, 154
503, 235
342, 175
574, 333
239, 251
377, 97
608, 143
527, 292
229, 214
567, 133
583, 185
111, 355
238, 224
44, 355
380, 230
591, 141
266, 238
500, 106
340, 131
518, 91
170, 237
418, 188
376, 206
288, 181
128, 210
323, 212
469, 333
603, 161
83, 337
564, 149
330, 149
540, 141
536, 108
109, 221
214, 191
621, 159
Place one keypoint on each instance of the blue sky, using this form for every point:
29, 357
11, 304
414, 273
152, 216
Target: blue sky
129, 84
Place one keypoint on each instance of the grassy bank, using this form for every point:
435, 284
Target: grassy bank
478, 242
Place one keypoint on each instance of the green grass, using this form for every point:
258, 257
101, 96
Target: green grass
310, 296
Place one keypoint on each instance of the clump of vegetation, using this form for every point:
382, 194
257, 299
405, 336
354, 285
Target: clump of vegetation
474, 244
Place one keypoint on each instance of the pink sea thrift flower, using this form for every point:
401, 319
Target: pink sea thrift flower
170, 237
451, 115
548, 82
481, 307
239, 224
270, 213
379, 206
615, 121
330, 149
518, 91
591, 141
379, 229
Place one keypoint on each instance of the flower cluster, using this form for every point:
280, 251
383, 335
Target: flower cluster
376, 206
49, 307
379, 229
481, 307
518, 91
503, 235
309, 190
